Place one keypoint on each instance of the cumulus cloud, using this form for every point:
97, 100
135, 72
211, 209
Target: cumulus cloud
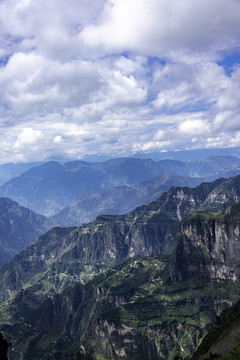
160, 27
27, 137
117, 76
192, 127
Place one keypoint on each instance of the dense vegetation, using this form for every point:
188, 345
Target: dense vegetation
128, 312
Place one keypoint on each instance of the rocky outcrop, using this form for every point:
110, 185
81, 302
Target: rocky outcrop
209, 246
226, 194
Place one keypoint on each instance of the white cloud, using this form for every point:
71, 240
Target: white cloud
124, 89
157, 27
192, 127
177, 96
57, 139
28, 136
114, 76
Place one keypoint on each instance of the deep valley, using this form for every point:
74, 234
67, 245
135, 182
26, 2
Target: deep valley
145, 285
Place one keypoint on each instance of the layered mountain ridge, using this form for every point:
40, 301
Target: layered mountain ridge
50, 187
120, 200
82, 252
113, 323
9, 170
138, 309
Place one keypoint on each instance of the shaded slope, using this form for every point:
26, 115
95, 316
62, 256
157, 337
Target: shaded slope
19, 226
223, 340
3, 348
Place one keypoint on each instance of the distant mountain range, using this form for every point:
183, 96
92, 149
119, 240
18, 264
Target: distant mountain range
187, 155
50, 187
120, 200
172, 287
19, 226
9, 171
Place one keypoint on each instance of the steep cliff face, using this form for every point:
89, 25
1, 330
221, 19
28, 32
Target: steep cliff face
66, 256
209, 246
130, 312
226, 194
148, 305
62, 257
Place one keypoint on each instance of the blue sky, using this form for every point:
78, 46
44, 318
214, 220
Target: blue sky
117, 77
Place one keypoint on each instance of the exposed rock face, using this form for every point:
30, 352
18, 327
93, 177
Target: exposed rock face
226, 194
209, 246
144, 306
66, 256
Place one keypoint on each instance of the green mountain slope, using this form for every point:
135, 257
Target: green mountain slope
130, 312
222, 342
65, 256
171, 308
140, 309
